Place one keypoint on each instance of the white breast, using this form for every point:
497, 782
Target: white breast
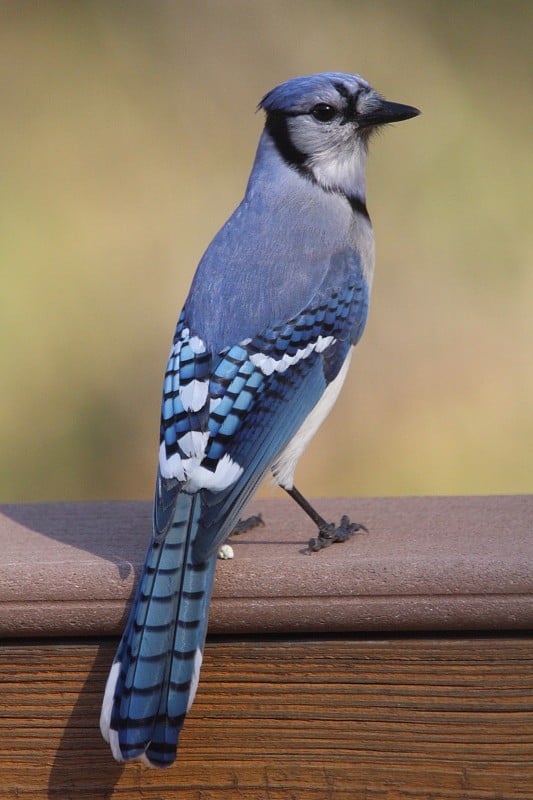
283, 468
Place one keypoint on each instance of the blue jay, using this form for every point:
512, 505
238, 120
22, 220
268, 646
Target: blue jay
259, 355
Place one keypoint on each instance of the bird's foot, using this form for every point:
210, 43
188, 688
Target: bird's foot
247, 524
329, 534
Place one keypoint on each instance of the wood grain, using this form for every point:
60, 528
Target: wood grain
400, 718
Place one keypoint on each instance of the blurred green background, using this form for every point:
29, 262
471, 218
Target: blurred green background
127, 135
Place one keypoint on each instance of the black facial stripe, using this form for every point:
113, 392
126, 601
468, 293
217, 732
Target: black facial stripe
344, 92
276, 125
358, 205
350, 113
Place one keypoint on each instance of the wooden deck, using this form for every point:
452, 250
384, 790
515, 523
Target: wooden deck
398, 666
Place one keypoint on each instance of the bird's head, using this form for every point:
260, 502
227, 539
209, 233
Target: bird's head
321, 124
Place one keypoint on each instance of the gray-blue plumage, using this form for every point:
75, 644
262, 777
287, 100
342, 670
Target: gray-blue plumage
258, 357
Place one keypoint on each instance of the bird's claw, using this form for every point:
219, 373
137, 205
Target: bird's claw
329, 534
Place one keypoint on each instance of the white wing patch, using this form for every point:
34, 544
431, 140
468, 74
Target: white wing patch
194, 443
186, 465
195, 343
227, 472
194, 395
195, 477
172, 466
268, 365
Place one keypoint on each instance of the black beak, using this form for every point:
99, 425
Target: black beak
387, 112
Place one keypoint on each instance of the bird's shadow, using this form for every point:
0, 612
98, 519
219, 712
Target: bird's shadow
95, 774
107, 530
82, 764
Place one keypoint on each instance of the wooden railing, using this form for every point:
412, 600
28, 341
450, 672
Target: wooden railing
398, 665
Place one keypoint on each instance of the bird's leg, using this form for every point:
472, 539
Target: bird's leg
328, 532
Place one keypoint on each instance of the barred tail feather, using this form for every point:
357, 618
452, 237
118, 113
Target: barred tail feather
155, 673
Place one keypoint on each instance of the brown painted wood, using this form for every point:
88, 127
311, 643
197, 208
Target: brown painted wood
402, 718
393, 718
427, 563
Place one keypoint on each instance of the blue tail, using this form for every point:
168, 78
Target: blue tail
155, 673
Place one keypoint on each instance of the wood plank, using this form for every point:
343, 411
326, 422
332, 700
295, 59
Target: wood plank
433, 563
402, 718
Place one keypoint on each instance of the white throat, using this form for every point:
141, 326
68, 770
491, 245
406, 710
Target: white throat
340, 169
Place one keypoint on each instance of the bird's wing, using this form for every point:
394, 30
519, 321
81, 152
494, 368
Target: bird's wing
227, 416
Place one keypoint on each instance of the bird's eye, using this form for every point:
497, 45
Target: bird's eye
323, 112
